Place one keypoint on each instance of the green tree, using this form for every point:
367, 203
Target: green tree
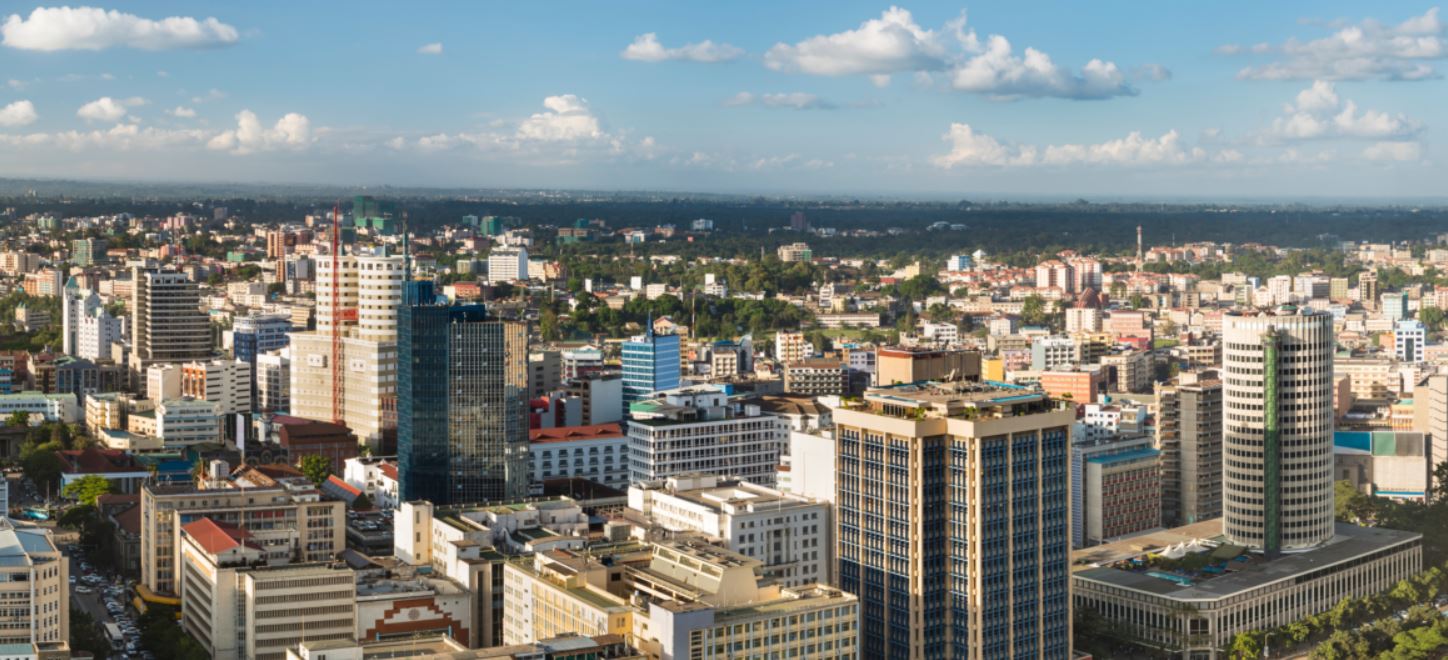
316, 467
1432, 318
18, 418
85, 635
1033, 310
1247, 645
87, 489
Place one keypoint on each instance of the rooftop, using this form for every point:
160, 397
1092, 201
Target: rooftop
1122, 563
576, 433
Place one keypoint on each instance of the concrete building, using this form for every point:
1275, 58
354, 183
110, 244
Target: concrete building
791, 347
545, 372
273, 383
699, 429
1122, 492
928, 477
600, 395
258, 334
1189, 434
795, 252
1430, 417
35, 590
167, 324
1392, 464
1128, 371
1198, 617
227, 383
50, 407
1277, 429
298, 523
369, 376
598, 453
1055, 353
508, 264
241, 605
816, 377
1409, 339
376, 477
899, 364
792, 535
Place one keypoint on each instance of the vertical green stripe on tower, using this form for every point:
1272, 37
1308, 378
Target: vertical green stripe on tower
1271, 450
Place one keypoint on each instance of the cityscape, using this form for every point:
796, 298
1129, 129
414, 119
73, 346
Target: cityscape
791, 331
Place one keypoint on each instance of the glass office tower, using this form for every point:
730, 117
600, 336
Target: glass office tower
650, 364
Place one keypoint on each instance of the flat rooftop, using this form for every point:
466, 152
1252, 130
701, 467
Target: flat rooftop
1111, 563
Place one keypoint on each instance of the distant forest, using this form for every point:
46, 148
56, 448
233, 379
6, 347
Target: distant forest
743, 224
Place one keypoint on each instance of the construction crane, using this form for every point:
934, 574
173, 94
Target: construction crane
336, 313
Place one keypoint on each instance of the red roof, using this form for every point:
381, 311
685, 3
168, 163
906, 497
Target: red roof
388, 470
215, 537
337, 482
97, 461
573, 433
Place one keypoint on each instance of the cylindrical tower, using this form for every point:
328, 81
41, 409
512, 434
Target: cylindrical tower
1277, 424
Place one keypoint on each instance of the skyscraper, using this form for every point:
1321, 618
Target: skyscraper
953, 521
1189, 433
167, 324
1277, 428
650, 364
462, 416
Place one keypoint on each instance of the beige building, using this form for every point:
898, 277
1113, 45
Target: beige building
899, 364
34, 587
241, 608
286, 514
369, 376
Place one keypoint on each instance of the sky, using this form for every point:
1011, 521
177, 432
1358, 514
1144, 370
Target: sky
1105, 99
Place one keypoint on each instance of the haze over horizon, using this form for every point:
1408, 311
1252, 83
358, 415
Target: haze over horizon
927, 99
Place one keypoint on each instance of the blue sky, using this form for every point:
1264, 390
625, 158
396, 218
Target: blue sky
1112, 99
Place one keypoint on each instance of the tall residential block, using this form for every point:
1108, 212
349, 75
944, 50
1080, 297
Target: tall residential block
462, 416
1277, 428
1189, 434
953, 520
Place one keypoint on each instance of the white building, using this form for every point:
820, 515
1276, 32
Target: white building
273, 383
1083, 319
698, 429
226, 383
53, 407
508, 264
791, 347
368, 371
375, 476
942, 333
792, 535
598, 453
95, 333
184, 422
808, 466
36, 588
1409, 338
163, 381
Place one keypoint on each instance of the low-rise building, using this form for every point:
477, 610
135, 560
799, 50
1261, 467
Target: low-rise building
598, 453
699, 429
36, 588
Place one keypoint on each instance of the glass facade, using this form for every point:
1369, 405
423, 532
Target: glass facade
462, 387
650, 364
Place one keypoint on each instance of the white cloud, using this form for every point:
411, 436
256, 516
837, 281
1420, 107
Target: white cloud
999, 72
292, 131
18, 113
1319, 113
1367, 50
568, 118
182, 112
889, 44
792, 100
15, 84
646, 48
969, 148
211, 95
107, 109
1394, 151
93, 28
120, 137
895, 43
434, 48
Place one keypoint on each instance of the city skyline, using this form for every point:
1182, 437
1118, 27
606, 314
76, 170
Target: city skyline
915, 99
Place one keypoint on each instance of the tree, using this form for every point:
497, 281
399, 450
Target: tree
87, 489
1432, 318
18, 418
1033, 310
1247, 645
316, 467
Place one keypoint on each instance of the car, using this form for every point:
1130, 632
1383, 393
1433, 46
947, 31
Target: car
72, 579
84, 590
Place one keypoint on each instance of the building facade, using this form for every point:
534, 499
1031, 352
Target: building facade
650, 364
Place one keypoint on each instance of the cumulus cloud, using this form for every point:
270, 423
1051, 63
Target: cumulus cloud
1394, 151
107, 109
896, 43
18, 113
880, 46
292, 131
1319, 113
969, 148
647, 48
434, 48
120, 137
567, 118
1367, 50
791, 100
182, 112
999, 72
93, 28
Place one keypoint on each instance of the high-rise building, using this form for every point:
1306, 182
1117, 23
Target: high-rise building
75, 303
167, 324
1409, 336
507, 264
273, 384
1189, 434
953, 519
650, 364
1277, 428
699, 429
259, 333
87, 251
36, 590
1368, 289
226, 383
462, 407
